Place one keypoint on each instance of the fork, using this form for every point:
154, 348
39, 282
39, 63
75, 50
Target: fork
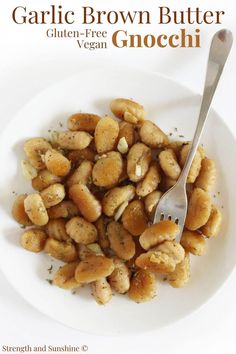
174, 203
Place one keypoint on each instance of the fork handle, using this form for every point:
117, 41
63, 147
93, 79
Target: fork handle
219, 51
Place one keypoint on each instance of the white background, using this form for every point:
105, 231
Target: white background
28, 63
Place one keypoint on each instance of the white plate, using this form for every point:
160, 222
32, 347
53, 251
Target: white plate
168, 104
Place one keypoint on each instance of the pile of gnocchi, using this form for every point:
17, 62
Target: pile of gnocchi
96, 189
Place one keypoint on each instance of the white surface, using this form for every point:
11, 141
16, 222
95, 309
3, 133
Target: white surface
28, 64
168, 104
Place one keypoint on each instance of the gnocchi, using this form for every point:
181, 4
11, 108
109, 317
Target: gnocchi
134, 218
81, 231
199, 209
93, 268
33, 240
142, 286
138, 161
56, 163
65, 277
130, 111
193, 242
106, 135
97, 187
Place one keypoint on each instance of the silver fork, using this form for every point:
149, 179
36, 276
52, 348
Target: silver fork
173, 204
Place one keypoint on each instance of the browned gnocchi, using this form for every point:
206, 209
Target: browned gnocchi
150, 182
106, 135
152, 135
74, 140
121, 241
61, 250
134, 218
33, 240
18, 211
138, 161
130, 111
181, 274
53, 195
101, 290
93, 268
196, 164
165, 230
193, 242
142, 286
86, 122
97, 187
120, 277
35, 149
86, 202
65, 277
108, 169
35, 209
169, 164
81, 231
56, 163
199, 209
212, 227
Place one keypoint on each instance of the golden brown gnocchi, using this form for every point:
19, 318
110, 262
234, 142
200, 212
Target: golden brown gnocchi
86, 122
181, 274
134, 218
33, 240
56, 163
35, 149
53, 195
127, 132
193, 242
165, 230
81, 231
207, 175
199, 209
18, 211
169, 164
36, 210
152, 135
64, 278
130, 111
87, 204
142, 286
120, 277
61, 250
163, 258
116, 197
212, 227
106, 135
196, 164
108, 169
121, 241
150, 181
93, 268
138, 161
74, 140
101, 290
